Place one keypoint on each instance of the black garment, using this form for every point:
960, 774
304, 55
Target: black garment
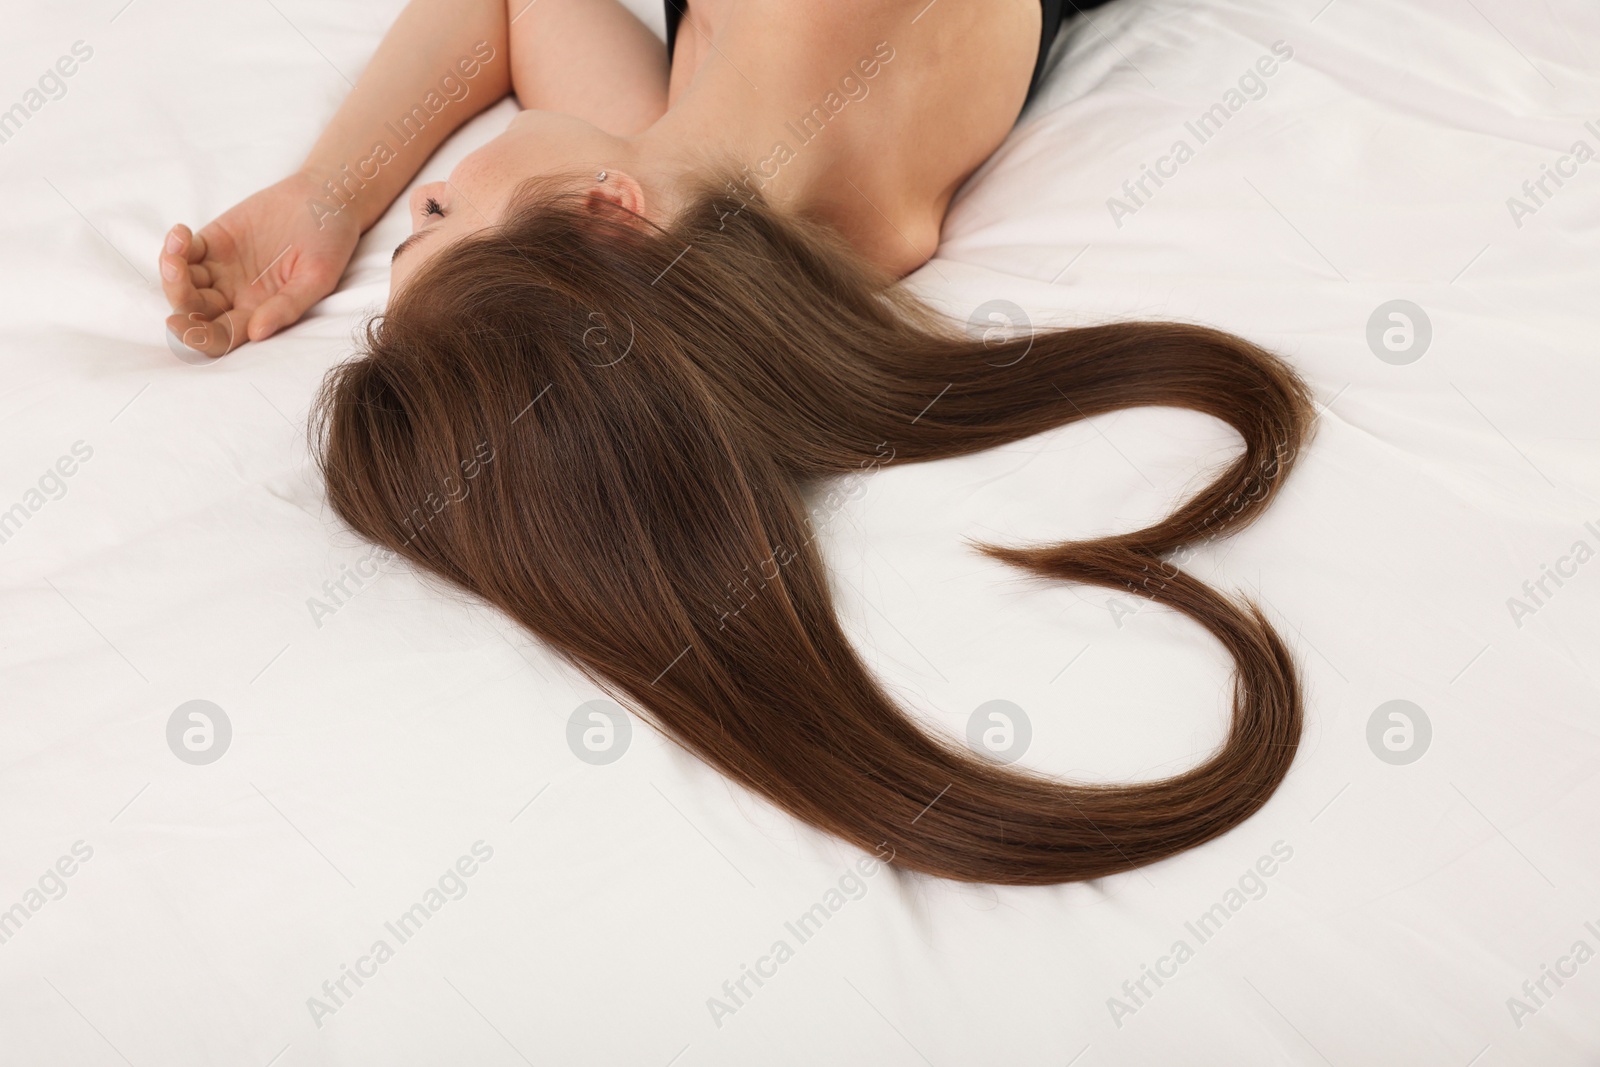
1054, 11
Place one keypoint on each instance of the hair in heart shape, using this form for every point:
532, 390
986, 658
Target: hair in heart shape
657, 401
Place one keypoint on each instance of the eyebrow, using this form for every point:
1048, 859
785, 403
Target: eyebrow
407, 243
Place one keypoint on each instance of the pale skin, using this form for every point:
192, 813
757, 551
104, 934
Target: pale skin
599, 97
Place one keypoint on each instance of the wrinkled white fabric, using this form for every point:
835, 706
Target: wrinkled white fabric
386, 745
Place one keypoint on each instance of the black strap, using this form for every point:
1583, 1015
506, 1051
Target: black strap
1048, 25
1052, 11
674, 12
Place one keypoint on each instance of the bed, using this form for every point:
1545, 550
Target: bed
269, 800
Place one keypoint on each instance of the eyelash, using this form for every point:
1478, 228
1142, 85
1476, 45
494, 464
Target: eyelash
431, 206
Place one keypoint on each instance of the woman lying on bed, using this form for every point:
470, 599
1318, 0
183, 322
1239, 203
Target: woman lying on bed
629, 336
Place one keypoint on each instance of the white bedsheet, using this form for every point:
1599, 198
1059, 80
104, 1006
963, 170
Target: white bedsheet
375, 748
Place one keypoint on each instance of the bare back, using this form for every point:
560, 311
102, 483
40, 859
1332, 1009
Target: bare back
878, 110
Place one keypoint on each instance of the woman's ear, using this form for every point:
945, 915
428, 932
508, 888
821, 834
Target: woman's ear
617, 189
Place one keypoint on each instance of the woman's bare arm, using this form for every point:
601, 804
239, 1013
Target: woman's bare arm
258, 266
441, 63
592, 59
589, 58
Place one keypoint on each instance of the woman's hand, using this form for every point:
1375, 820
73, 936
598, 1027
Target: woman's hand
255, 268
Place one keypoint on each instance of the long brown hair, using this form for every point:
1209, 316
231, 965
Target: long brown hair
642, 411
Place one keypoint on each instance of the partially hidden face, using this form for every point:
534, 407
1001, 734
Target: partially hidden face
479, 190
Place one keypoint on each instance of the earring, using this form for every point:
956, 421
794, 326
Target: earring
600, 177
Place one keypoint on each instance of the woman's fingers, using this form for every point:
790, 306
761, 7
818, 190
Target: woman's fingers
181, 241
182, 273
177, 240
286, 305
177, 282
214, 309
199, 323
206, 303
215, 336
